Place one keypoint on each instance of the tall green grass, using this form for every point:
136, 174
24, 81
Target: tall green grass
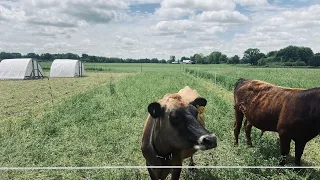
103, 126
287, 77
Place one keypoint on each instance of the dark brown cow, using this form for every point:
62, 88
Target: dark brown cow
293, 113
171, 130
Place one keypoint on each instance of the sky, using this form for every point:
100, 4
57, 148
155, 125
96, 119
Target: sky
157, 28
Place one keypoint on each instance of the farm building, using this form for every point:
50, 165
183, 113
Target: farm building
187, 62
66, 68
24, 68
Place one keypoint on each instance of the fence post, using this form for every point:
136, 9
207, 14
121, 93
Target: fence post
215, 77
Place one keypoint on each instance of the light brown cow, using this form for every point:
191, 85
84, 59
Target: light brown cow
173, 132
292, 112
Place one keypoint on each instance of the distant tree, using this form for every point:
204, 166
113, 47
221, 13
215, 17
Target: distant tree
84, 56
223, 59
46, 57
305, 54
236, 59
252, 55
315, 60
294, 54
4, 55
199, 58
272, 54
233, 60
214, 57
184, 58
154, 60
262, 62
32, 55
163, 61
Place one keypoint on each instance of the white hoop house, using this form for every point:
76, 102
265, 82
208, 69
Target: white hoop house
24, 68
66, 68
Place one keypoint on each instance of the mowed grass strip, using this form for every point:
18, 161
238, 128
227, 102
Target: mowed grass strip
103, 126
32, 97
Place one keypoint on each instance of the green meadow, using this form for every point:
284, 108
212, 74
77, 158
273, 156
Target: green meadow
98, 120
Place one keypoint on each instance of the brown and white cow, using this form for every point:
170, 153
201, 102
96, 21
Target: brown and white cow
292, 112
173, 132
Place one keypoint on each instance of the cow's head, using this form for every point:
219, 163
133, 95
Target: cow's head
179, 125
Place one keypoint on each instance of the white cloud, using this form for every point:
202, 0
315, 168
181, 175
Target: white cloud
175, 27
291, 27
222, 16
173, 13
174, 9
145, 1
11, 14
205, 5
252, 3
126, 41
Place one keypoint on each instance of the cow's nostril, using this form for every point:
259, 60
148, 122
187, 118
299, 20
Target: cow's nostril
209, 140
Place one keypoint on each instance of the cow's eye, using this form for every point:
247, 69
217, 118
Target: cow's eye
174, 119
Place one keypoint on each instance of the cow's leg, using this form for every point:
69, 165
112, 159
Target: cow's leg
151, 173
299, 147
248, 128
176, 161
237, 124
191, 162
284, 146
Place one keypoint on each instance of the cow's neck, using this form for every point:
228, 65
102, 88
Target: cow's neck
161, 147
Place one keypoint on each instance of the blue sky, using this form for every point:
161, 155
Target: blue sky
157, 28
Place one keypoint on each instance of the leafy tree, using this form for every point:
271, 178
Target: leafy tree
305, 54
315, 60
46, 57
294, 54
262, 62
184, 58
233, 60
252, 55
84, 56
214, 58
199, 58
32, 55
223, 58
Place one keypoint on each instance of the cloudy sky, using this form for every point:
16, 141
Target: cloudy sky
157, 28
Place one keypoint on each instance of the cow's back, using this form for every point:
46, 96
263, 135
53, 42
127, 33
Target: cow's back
262, 103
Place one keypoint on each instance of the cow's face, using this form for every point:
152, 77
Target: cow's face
179, 125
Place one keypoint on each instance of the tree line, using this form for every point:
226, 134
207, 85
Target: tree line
288, 56
83, 57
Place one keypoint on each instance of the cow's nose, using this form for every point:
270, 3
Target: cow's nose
210, 141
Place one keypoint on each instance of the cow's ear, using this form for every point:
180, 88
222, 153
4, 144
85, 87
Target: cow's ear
199, 101
155, 109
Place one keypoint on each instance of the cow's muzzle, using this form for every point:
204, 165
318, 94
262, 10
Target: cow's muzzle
206, 142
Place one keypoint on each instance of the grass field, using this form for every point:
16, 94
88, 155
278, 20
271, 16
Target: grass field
126, 67
100, 124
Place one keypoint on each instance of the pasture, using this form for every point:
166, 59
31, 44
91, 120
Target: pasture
98, 120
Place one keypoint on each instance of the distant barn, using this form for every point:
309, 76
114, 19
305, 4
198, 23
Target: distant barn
66, 68
24, 68
187, 62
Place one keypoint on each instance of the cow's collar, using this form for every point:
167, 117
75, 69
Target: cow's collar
167, 157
